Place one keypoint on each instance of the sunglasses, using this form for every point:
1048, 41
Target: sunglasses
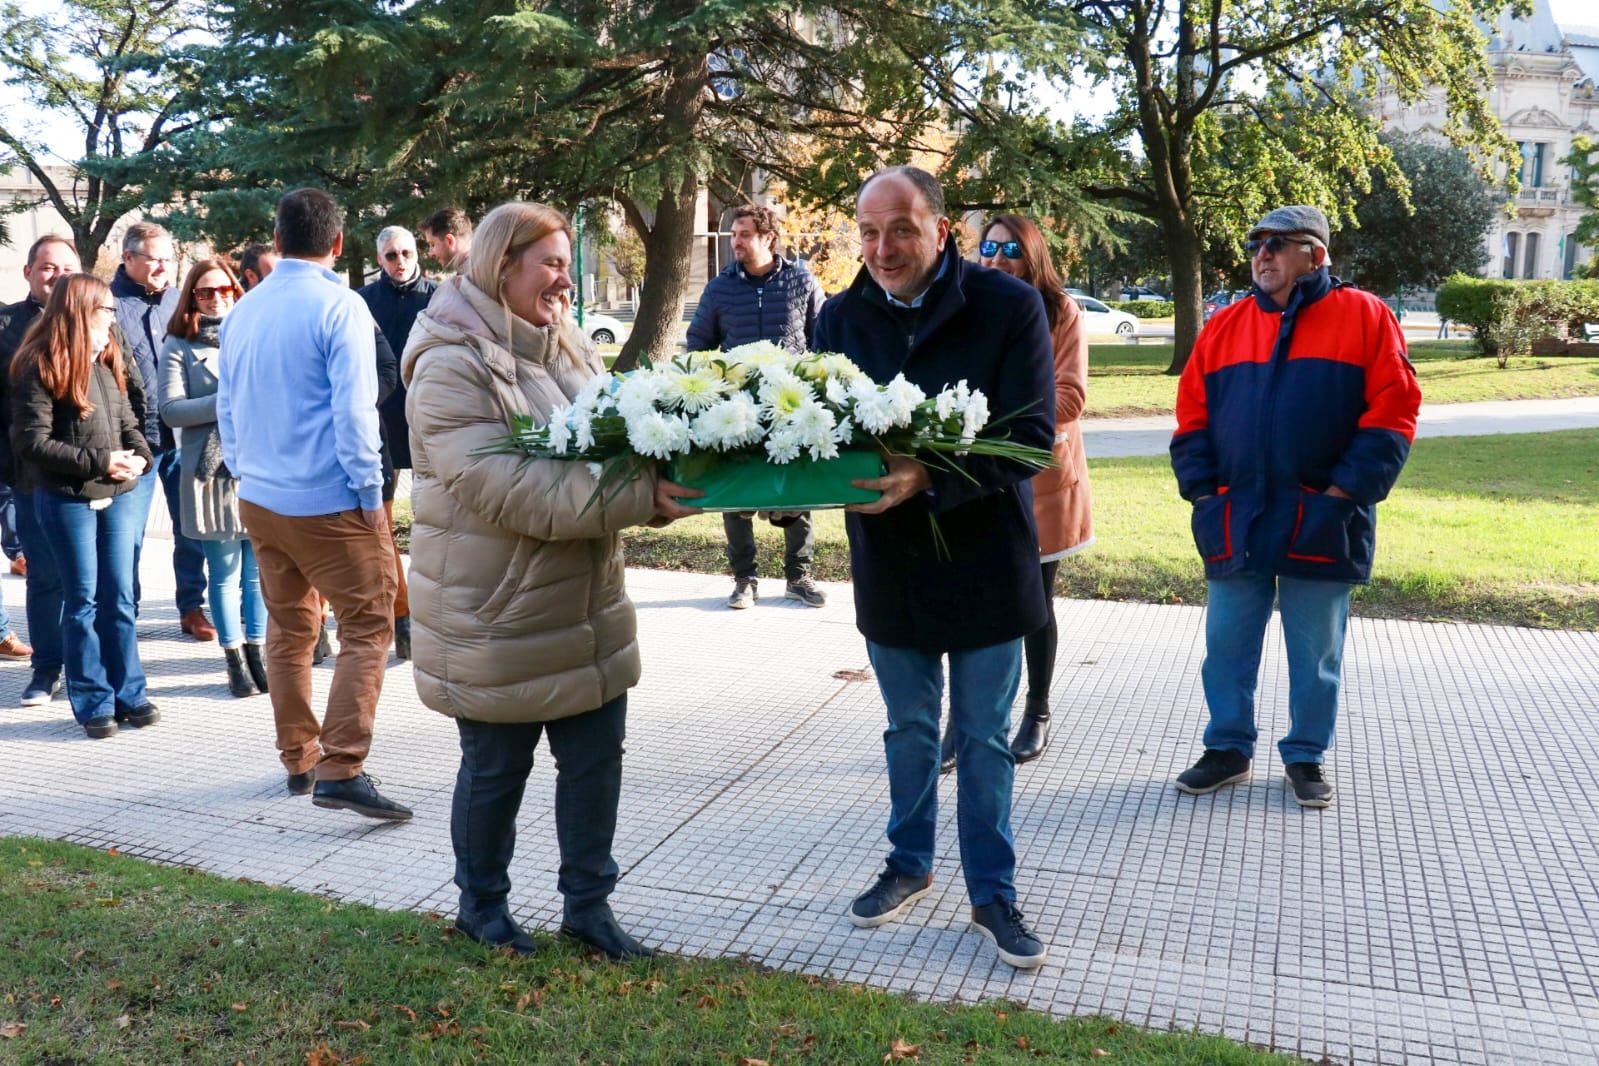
409, 253
1275, 244
207, 292
989, 249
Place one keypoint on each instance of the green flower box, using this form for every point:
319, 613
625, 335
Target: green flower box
751, 483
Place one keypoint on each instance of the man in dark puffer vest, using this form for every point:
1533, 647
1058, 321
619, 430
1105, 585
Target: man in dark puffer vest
761, 297
1295, 414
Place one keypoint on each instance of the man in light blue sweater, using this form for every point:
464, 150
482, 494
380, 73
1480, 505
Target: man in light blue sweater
297, 416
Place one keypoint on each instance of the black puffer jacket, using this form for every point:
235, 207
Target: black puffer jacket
737, 308
65, 453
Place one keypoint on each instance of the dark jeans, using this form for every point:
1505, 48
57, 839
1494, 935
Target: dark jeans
496, 759
94, 554
1039, 646
45, 596
799, 545
188, 559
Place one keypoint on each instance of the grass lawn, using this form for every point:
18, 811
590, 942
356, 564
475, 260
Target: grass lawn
1481, 529
1130, 379
109, 960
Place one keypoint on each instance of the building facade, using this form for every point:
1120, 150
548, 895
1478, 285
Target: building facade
1544, 95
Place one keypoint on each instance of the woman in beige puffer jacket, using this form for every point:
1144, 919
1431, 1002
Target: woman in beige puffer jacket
521, 622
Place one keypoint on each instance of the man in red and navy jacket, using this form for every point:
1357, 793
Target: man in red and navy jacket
1295, 415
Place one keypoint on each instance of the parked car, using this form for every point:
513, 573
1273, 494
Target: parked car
1142, 292
1075, 292
1217, 300
1097, 318
603, 329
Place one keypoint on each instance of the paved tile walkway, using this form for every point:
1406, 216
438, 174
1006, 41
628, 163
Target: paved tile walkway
1443, 911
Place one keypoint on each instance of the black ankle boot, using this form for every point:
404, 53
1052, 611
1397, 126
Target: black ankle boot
239, 682
1032, 737
595, 926
946, 749
496, 928
252, 659
402, 637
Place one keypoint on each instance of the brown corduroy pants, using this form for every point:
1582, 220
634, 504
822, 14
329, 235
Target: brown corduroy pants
349, 558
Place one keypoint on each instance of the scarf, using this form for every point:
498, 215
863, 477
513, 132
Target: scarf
210, 465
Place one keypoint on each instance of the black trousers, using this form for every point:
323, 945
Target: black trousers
799, 545
495, 762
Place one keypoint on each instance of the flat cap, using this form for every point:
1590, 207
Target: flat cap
1295, 218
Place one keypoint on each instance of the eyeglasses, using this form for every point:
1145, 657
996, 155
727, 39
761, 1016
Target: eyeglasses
156, 258
1275, 244
406, 253
110, 310
207, 292
989, 249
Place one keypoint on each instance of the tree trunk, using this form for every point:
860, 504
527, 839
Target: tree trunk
667, 254
1187, 291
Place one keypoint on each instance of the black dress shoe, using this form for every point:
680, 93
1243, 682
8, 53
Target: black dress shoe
300, 784
496, 929
596, 926
359, 794
1032, 737
138, 717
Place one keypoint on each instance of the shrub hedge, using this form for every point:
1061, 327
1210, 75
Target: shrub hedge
1507, 316
1143, 308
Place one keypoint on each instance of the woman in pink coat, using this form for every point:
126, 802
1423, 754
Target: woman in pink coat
1062, 505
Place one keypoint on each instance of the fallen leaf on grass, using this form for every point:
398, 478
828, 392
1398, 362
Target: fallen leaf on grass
123, 1021
55, 1001
899, 1051
1023, 1043
12, 1030
535, 997
1002, 1016
407, 1011
1100, 1053
109, 901
76, 955
705, 1002
322, 1055
113, 851
358, 1024
744, 1061
241, 1007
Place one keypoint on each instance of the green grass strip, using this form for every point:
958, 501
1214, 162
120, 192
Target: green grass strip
108, 960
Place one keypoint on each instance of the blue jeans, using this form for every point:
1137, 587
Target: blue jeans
45, 596
94, 555
235, 591
188, 560
1314, 616
982, 685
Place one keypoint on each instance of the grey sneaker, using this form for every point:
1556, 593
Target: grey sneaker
1310, 788
806, 591
888, 898
745, 593
42, 689
1002, 922
1214, 769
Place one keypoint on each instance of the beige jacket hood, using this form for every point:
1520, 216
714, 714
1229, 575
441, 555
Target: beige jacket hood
518, 606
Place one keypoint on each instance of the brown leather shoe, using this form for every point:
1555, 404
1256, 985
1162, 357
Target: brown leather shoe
198, 626
19, 566
13, 648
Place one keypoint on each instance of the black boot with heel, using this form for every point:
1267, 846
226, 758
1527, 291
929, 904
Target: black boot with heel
239, 682
1032, 737
257, 668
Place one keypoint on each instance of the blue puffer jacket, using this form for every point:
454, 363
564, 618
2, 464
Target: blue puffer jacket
736, 308
972, 580
142, 317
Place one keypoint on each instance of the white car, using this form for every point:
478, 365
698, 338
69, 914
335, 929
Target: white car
603, 329
1097, 318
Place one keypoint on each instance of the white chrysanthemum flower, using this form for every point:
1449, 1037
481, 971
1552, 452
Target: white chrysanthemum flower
560, 430
692, 391
582, 431
638, 394
974, 416
595, 387
836, 390
874, 412
813, 422
596, 470
762, 355
732, 423
830, 366
903, 398
951, 400
844, 432
782, 447
782, 393
658, 436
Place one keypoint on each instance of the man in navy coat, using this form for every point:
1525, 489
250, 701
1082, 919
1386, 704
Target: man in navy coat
945, 563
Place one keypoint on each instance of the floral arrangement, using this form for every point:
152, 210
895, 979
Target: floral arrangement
761, 399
